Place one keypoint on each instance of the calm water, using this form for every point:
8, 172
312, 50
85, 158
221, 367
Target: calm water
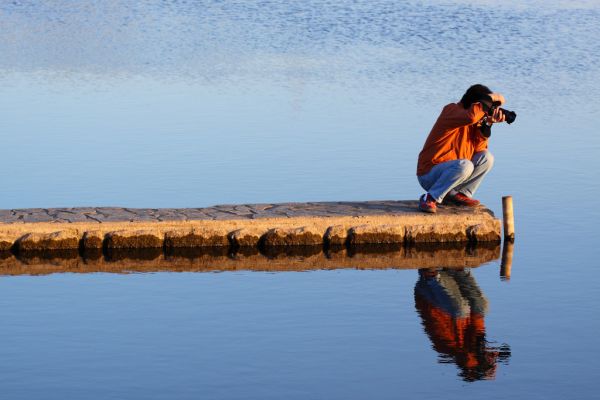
183, 103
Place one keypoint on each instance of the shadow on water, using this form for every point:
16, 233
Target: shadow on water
452, 308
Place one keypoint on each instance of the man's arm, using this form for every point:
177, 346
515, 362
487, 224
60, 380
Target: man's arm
459, 116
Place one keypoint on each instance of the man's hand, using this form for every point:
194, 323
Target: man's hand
497, 97
497, 116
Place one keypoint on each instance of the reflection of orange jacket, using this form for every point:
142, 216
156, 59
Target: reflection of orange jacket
459, 338
454, 136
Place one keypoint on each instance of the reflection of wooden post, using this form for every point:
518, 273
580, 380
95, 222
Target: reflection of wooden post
509, 219
506, 263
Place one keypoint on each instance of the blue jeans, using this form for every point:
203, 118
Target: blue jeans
457, 176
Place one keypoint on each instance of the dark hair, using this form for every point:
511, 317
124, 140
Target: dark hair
474, 94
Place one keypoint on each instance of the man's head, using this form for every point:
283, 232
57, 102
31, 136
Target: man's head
476, 94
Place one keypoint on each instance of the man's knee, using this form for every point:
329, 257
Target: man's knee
466, 168
484, 159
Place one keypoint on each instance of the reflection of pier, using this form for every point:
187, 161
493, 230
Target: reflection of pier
452, 308
507, 259
294, 258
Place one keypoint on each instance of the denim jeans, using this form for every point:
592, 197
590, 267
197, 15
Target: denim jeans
457, 176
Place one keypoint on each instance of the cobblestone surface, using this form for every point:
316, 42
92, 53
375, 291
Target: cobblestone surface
221, 212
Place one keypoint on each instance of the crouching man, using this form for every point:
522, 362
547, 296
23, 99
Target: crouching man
455, 158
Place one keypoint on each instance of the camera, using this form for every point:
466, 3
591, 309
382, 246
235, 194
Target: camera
509, 116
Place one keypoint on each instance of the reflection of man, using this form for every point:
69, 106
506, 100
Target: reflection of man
452, 308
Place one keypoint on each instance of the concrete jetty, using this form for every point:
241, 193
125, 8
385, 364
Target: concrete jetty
243, 226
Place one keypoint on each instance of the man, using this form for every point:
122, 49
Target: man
455, 159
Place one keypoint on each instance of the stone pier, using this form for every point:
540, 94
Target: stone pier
243, 226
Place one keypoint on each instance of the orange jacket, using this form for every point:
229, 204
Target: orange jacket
455, 135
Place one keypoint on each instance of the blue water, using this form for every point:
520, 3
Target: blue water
188, 104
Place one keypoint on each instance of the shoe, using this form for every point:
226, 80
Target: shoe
461, 200
427, 204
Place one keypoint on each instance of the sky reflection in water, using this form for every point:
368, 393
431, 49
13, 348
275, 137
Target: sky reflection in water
176, 104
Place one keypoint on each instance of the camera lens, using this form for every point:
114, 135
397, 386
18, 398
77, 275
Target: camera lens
509, 116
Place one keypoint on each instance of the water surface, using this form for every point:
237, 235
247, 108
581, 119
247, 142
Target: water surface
190, 104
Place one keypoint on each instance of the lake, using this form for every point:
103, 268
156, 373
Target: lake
196, 103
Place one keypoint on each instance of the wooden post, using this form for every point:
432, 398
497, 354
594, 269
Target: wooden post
507, 257
508, 217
